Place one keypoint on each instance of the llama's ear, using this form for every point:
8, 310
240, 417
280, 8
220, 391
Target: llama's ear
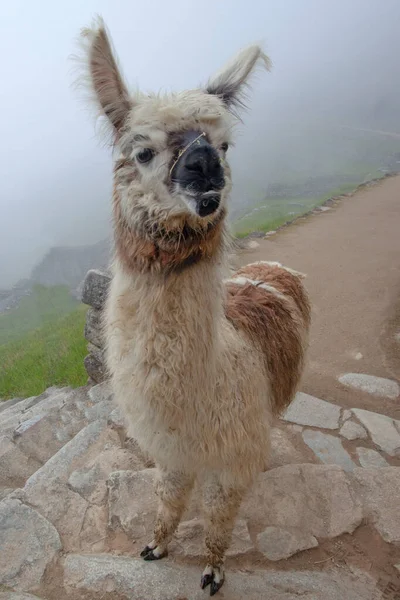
231, 82
105, 78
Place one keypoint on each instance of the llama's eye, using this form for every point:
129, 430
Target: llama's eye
145, 155
224, 147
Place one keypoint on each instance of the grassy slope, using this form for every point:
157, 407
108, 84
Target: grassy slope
42, 344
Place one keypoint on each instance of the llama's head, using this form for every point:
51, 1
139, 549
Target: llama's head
172, 178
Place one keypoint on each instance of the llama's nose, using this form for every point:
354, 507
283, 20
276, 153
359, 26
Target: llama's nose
203, 166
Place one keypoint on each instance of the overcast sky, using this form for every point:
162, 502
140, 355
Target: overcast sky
331, 59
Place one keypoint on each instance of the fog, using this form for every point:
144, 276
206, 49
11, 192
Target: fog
332, 101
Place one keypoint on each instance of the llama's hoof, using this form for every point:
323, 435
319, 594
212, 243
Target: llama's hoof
214, 577
153, 553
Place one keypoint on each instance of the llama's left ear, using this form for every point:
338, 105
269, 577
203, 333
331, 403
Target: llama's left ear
231, 82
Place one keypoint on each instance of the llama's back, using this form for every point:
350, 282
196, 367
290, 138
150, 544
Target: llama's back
269, 304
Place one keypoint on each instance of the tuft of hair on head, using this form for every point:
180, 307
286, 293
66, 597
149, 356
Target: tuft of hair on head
102, 76
232, 82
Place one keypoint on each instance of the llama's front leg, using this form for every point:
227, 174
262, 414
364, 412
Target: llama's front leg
173, 489
221, 504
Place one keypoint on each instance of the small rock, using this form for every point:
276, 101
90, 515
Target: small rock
29, 543
132, 502
382, 430
93, 327
95, 288
328, 448
95, 368
370, 459
346, 414
353, 431
307, 410
116, 420
378, 386
397, 567
380, 493
277, 543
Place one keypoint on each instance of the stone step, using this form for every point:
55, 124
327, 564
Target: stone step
165, 580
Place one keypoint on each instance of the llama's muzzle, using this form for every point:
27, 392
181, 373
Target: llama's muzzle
198, 172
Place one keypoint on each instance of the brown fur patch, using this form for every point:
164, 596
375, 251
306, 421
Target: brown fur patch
278, 332
158, 248
283, 281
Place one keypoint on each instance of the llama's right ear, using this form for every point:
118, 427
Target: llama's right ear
231, 82
106, 81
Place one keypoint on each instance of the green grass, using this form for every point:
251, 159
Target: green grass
42, 344
44, 305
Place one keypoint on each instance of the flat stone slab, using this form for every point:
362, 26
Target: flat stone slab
277, 543
315, 498
382, 429
132, 502
377, 386
311, 411
353, 431
328, 449
28, 542
164, 580
371, 459
380, 493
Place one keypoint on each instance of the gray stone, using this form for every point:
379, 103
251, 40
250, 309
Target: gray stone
382, 430
307, 410
100, 393
4, 492
379, 490
15, 467
132, 502
283, 451
95, 288
397, 566
328, 449
189, 539
371, 459
29, 543
48, 491
93, 327
4, 404
17, 596
95, 368
353, 431
277, 543
346, 414
315, 498
378, 386
134, 579
116, 420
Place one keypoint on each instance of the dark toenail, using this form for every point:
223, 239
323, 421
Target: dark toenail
145, 551
215, 587
206, 580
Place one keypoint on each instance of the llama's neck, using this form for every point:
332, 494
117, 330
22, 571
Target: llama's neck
178, 315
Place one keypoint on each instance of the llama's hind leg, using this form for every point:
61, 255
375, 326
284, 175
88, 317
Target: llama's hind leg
221, 504
173, 489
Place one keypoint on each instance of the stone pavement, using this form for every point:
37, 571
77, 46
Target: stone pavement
78, 505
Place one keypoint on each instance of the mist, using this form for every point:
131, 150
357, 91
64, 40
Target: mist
330, 103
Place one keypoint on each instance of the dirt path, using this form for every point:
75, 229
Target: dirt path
351, 255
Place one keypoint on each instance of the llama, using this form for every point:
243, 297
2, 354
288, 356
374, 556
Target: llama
200, 359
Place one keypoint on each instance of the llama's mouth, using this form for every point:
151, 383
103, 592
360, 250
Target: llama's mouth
207, 204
